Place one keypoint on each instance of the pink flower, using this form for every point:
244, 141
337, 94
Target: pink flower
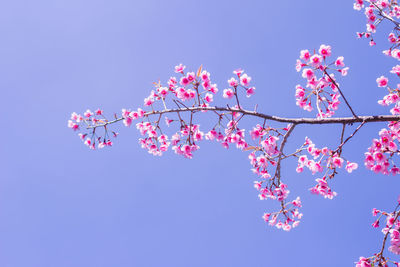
228, 93
382, 81
351, 166
88, 142
168, 121
305, 55
238, 72
127, 121
339, 62
250, 91
395, 53
286, 227
213, 89
205, 76
297, 202
392, 38
257, 185
208, 97
358, 4
163, 91
233, 82
363, 262
299, 65
191, 76
211, 135
148, 101
372, 42
172, 82
314, 166
308, 74
179, 68
323, 189
325, 50
344, 71
73, 125
337, 161
184, 81
375, 224
396, 70
371, 28
88, 113
316, 60
245, 80
375, 212
303, 160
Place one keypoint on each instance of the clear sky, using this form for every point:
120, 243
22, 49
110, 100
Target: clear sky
64, 205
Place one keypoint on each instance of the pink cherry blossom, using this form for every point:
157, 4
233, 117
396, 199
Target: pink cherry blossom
351, 166
179, 68
209, 97
244, 80
325, 50
233, 82
316, 60
238, 72
382, 81
305, 55
228, 93
339, 62
250, 91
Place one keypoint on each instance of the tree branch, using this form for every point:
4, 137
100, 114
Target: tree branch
346, 120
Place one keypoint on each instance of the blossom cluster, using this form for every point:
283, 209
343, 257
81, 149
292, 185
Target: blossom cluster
322, 159
91, 120
324, 88
266, 156
390, 230
198, 89
380, 155
376, 11
192, 93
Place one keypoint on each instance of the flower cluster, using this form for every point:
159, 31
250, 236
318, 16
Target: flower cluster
380, 155
289, 212
91, 120
266, 156
391, 230
324, 88
192, 93
199, 89
376, 11
322, 159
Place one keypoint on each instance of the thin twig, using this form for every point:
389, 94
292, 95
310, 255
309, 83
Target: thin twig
341, 93
348, 138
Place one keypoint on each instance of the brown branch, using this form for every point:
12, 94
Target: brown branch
347, 120
278, 165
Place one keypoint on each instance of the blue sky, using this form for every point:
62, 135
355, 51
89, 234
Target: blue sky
62, 204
